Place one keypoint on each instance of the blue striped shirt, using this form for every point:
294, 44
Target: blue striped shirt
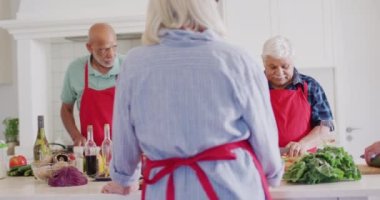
189, 93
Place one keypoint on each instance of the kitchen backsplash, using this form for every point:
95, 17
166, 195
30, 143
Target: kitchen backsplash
62, 53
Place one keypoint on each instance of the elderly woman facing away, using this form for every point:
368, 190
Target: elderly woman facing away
198, 108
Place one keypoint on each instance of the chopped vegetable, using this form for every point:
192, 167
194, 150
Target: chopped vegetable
330, 164
25, 170
67, 176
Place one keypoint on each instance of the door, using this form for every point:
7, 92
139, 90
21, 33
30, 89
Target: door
358, 74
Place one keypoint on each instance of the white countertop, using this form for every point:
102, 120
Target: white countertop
368, 186
29, 188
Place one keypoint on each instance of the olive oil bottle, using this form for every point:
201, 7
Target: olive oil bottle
41, 147
106, 150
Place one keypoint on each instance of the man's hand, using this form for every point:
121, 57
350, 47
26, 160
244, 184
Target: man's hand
295, 149
371, 151
115, 188
79, 140
67, 116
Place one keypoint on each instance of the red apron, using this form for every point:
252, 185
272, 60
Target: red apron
293, 114
96, 108
221, 152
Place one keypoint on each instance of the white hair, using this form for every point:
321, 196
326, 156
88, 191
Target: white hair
175, 14
278, 47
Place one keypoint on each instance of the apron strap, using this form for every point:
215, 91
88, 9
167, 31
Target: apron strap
221, 152
86, 76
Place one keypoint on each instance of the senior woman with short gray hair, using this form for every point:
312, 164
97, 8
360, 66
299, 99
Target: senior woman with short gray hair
197, 108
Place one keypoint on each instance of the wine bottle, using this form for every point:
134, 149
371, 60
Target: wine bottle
41, 148
90, 151
106, 149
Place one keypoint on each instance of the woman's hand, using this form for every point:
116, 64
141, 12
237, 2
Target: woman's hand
115, 188
295, 149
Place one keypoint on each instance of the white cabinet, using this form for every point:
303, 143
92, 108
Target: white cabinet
5, 46
98, 10
5, 58
308, 24
248, 24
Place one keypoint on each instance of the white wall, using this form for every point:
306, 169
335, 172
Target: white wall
308, 24
8, 78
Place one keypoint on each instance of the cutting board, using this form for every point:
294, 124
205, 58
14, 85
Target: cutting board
365, 169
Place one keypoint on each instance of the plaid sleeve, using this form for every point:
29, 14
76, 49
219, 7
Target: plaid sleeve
320, 108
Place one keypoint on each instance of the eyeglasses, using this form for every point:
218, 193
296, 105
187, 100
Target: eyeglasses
104, 51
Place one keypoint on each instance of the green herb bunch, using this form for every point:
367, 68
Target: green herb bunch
11, 129
330, 164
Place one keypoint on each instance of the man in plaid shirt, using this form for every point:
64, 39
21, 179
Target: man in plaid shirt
302, 112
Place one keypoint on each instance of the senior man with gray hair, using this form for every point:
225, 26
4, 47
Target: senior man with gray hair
300, 106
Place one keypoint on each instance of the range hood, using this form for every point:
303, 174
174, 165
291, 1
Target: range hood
120, 36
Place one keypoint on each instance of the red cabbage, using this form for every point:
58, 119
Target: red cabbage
67, 176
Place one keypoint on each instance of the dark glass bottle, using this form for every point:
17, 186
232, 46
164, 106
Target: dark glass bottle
90, 152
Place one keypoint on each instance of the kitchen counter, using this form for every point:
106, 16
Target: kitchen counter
29, 188
366, 188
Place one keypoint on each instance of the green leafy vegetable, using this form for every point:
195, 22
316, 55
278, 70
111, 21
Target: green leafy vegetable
330, 164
